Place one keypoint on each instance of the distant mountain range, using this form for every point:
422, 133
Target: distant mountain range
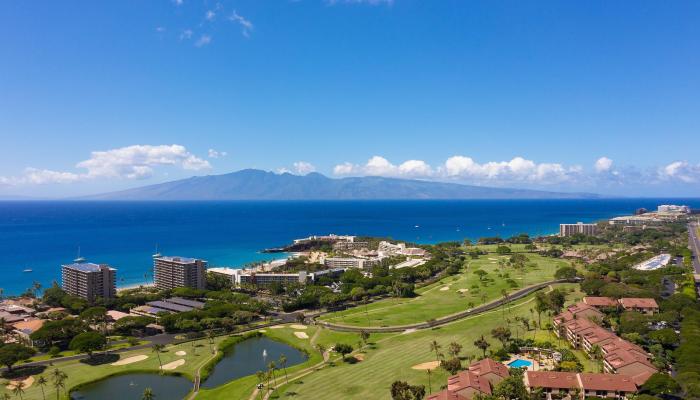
252, 184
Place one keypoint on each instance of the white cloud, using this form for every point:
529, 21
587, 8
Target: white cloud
465, 168
131, 162
178, 2
303, 167
210, 15
203, 41
186, 34
603, 164
160, 29
246, 26
216, 154
680, 170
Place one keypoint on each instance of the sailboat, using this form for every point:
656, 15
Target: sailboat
79, 259
157, 253
27, 270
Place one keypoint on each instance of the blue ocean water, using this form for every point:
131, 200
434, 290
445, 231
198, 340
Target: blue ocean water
44, 235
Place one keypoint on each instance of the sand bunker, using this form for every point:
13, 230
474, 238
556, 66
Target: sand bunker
301, 335
493, 259
426, 365
407, 331
297, 326
277, 327
180, 353
463, 290
262, 330
26, 383
444, 288
130, 360
173, 365
359, 357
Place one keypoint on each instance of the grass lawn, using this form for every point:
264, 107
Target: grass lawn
69, 353
394, 355
79, 373
242, 388
451, 294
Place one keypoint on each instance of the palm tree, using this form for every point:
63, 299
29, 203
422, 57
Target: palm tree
59, 381
454, 349
210, 338
283, 363
435, 346
6, 396
148, 394
271, 366
157, 348
42, 382
322, 349
18, 389
430, 386
261, 379
36, 286
482, 344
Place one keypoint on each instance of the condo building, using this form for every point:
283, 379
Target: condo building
89, 280
175, 272
578, 228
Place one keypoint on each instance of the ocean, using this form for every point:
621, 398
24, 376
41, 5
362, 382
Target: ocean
42, 236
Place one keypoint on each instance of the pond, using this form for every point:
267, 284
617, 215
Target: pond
131, 387
250, 356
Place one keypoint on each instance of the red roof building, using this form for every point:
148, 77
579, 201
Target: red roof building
600, 301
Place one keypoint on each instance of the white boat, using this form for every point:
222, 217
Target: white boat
28, 270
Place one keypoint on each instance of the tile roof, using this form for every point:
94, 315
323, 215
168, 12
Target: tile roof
446, 395
466, 379
488, 365
608, 382
600, 301
551, 379
638, 302
29, 326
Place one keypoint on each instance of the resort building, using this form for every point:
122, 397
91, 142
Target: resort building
168, 306
349, 245
351, 262
89, 281
619, 355
175, 272
578, 228
243, 276
579, 385
671, 208
479, 379
389, 249
327, 238
643, 305
601, 302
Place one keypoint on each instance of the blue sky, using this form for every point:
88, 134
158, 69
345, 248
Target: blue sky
578, 96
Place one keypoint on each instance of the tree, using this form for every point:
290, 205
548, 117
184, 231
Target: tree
283, 363
364, 336
566, 273
42, 382
502, 334
157, 348
512, 387
261, 379
18, 389
660, 383
88, 342
343, 349
271, 366
541, 305
482, 344
322, 350
59, 381
503, 250
481, 274
401, 390
148, 394
435, 346
454, 349
452, 365
597, 354
11, 354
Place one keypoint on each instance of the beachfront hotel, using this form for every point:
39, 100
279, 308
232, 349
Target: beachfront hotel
578, 228
175, 272
89, 280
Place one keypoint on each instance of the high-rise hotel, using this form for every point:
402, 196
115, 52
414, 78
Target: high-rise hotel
89, 280
174, 272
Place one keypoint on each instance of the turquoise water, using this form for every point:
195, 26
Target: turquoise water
43, 235
520, 363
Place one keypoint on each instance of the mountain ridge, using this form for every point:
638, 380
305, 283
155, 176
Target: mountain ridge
253, 184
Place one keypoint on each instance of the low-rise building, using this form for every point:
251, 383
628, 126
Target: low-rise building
479, 379
349, 245
643, 305
399, 249
351, 262
24, 329
601, 302
327, 238
579, 385
578, 228
168, 306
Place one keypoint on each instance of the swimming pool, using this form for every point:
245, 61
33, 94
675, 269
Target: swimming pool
519, 363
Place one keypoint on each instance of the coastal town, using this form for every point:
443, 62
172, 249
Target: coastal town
606, 309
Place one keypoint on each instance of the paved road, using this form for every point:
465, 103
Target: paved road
695, 244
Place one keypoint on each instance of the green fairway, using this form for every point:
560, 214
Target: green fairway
395, 354
451, 294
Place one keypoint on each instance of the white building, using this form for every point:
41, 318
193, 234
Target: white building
241, 276
578, 228
327, 238
399, 249
672, 208
351, 262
